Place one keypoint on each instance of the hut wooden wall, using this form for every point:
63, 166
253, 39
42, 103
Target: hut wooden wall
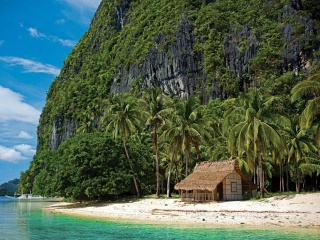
232, 187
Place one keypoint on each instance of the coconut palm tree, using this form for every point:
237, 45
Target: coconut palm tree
234, 112
188, 126
216, 147
168, 153
301, 147
253, 137
125, 117
157, 111
175, 146
310, 89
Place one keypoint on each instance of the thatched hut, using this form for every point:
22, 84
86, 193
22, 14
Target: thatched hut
211, 181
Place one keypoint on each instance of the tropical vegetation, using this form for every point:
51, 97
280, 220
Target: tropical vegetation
91, 165
107, 131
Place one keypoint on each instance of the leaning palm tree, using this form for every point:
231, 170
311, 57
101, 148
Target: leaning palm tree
125, 117
310, 89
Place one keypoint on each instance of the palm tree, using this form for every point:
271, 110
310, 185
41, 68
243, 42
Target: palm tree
300, 146
175, 146
157, 111
253, 137
309, 88
234, 112
125, 117
189, 126
168, 152
216, 147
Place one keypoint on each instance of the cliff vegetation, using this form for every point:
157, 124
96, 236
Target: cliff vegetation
174, 82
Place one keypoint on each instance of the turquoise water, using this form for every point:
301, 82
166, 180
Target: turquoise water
25, 220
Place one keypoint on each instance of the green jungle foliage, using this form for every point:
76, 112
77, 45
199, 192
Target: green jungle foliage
89, 166
260, 119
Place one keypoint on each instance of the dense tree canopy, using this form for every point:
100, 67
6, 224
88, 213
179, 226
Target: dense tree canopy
91, 165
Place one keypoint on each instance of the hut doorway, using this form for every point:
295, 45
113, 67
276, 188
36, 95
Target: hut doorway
220, 191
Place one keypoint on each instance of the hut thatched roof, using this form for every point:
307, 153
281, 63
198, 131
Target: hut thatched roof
207, 175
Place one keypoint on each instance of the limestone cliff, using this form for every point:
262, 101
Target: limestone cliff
211, 48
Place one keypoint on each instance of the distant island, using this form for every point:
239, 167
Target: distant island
9, 188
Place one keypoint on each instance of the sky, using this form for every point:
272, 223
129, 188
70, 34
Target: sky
36, 36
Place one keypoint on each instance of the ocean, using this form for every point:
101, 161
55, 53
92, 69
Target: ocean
28, 220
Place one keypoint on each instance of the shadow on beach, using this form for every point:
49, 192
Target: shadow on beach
284, 197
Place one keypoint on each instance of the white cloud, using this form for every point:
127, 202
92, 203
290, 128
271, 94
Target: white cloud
81, 11
63, 42
67, 42
60, 21
16, 153
31, 66
12, 107
10, 155
24, 135
1, 42
34, 33
25, 149
84, 4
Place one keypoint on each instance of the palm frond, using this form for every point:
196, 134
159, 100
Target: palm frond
307, 87
310, 112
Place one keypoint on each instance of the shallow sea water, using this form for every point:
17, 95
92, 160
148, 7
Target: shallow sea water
25, 220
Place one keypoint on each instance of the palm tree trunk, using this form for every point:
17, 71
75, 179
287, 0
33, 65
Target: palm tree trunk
287, 175
131, 168
161, 185
157, 175
297, 178
155, 148
187, 160
260, 172
282, 176
198, 152
169, 176
280, 182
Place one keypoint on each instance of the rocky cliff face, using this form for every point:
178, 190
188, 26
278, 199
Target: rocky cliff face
237, 60
178, 68
296, 54
180, 72
61, 130
176, 71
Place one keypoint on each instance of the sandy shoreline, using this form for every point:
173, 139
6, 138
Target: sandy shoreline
302, 210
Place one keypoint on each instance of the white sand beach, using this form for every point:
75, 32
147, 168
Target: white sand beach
300, 210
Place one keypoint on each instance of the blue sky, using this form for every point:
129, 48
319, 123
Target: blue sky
35, 38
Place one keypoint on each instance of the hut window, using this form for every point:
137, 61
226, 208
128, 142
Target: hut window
233, 186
